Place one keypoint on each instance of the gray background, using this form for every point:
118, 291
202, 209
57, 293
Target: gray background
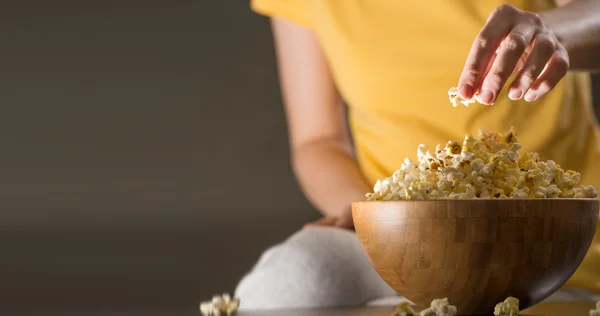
144, 160
144, 157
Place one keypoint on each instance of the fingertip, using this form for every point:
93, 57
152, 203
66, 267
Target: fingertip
515, 94
465, 91
486, 96
531, 96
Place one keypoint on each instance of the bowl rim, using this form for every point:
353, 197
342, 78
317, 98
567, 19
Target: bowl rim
478, 200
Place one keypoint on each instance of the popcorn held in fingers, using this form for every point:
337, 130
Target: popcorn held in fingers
455, 98
510, 307
489, 166
440, 307
595, 312
220, 306
404, 309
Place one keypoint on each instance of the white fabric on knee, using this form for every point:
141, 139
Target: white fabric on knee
316, 267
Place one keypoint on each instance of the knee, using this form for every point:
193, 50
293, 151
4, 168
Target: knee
319, 267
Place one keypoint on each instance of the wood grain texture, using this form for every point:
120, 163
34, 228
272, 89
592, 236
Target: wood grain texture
476, 252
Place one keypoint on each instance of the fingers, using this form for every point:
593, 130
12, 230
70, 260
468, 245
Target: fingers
325, 221
487, 70
345, 222
555, 70
522, 59
483, 50
342, 222
543, 49
513, 42
509, 53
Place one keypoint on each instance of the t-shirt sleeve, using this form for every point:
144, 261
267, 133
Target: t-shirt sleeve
291, 10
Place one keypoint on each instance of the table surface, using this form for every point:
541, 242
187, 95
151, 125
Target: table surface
542, 309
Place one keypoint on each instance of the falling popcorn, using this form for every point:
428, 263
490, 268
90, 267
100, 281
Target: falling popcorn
440, 307
510, 307
220, 305
489, 166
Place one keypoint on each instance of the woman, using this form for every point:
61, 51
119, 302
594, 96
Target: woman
393, 62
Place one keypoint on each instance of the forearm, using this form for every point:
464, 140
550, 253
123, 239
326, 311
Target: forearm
329, 176
577, 27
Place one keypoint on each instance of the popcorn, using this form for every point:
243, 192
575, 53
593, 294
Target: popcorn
595, 312
489, 166
510, 307
220, 305
455, 98
440, 307
404, 309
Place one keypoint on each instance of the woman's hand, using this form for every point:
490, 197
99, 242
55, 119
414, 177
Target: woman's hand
341, 222
513, 41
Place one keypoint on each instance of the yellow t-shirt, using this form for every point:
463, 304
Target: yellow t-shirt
394, 61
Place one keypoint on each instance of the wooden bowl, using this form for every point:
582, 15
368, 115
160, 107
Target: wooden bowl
476, 252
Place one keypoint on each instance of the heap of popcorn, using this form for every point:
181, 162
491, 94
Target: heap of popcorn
488, 166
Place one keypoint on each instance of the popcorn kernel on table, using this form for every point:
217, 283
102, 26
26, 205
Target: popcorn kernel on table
595, 312
510, 307
439, 307
219, 305
488, 166
404, 309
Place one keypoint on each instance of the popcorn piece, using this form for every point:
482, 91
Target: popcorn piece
439, 307
510, 307
489, 166
404, 309
220, 305
455, 98
595, 312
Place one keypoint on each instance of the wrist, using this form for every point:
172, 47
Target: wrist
576, 26
552, 22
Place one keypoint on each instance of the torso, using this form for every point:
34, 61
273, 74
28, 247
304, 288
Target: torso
394, 62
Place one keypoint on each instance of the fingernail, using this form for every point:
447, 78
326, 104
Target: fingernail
515, 94
466, 91
486, 96
531, 96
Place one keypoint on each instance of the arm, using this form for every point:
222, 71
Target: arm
321, 151
576, 24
